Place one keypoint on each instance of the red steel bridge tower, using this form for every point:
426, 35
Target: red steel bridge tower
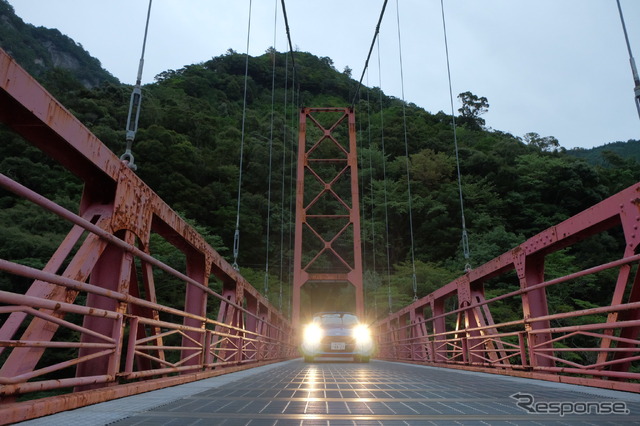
327, 271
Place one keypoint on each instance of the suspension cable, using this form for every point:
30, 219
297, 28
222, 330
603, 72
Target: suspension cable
286, 26
293, 126
384, 180
366, 63
295, 100
465, 236
284, 164
134, 103
414, 280
371, 200
634, 70
363, 207
273, 100
236, 235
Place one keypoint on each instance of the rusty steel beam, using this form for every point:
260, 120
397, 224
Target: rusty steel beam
478, 343
123, 332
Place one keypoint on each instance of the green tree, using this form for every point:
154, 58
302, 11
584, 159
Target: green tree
472, 108
546, 143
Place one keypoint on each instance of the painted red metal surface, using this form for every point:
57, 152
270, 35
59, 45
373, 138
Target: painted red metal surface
455, 327
327, 206
97, 296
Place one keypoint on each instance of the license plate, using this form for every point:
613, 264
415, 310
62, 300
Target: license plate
338, 346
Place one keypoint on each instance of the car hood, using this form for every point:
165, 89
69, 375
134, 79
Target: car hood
338, 331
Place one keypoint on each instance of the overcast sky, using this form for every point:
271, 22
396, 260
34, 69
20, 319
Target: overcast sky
556, 67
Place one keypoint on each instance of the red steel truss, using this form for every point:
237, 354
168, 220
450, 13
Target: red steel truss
327, 235
455, 325
99, 285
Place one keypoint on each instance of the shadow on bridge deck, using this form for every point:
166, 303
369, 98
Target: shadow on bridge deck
331, 393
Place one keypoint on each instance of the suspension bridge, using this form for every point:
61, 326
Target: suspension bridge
123, 357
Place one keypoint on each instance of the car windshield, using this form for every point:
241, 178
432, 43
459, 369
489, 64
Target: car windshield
337, 320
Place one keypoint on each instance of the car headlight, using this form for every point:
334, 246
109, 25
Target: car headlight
361, 333
312, 334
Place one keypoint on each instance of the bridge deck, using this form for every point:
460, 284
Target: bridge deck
332, 393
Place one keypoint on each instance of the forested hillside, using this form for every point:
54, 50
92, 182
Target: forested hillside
188, 148
610, 154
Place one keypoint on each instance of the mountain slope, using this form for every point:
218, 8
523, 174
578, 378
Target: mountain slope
40, 50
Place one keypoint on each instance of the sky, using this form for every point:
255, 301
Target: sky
555, 67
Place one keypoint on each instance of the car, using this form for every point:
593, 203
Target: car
336, 334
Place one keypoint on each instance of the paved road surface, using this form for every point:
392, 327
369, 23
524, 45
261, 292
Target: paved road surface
378, 393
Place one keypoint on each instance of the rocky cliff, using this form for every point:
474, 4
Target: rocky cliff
40, 50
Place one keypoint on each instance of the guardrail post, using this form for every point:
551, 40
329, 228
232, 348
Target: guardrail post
418, 335
530, 271
465, 348
439, 328
227, 315
522, 343
208, 356
251, 325
112, 271
195, 302
131, 344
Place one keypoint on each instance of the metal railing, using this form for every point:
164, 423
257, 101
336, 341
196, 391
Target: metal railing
93, 323
457, 326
